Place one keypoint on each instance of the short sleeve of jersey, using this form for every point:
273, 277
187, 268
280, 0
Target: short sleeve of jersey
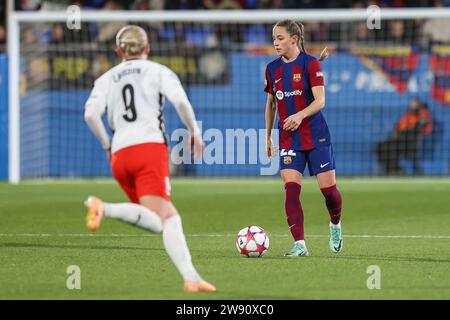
315, 73
268, 87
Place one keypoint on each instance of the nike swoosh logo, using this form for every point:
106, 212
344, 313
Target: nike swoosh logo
277, 80
138, 219
291, 226
338, 248
324, 165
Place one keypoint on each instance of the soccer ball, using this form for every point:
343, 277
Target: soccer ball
252, 241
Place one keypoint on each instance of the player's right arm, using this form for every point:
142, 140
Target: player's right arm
94, 109
271, 109
172, 88
270, 119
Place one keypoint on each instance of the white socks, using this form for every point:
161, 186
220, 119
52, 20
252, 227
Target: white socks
335, 226
134, 214
173, 236
176, 247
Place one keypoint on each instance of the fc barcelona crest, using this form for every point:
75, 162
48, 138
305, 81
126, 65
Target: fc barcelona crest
287, 160
297, 77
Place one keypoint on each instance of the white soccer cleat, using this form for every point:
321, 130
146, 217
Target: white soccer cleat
336, 240
298, 250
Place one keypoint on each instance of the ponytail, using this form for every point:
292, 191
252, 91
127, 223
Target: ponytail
324, 54
301, 36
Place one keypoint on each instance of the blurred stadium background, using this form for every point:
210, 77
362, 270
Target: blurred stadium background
372, 77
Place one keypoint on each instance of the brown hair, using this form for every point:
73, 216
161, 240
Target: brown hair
131, 40
294, 28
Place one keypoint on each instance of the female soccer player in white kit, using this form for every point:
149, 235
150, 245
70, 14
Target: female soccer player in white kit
132, 95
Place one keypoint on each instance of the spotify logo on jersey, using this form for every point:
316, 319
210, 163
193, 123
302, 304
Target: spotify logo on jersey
281, 95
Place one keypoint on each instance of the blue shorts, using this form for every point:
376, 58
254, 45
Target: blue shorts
320, 159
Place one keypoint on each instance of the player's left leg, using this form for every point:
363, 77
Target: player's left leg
322, 165
333, 200
131, 213
95, 212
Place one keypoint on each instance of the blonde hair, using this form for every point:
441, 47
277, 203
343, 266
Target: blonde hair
131, 40
294, 28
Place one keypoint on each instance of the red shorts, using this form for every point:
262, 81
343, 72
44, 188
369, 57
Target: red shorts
142, 170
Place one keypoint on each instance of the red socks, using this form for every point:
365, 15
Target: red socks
294, 211
333, 200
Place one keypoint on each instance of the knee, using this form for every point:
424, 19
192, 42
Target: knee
291, 177
166, 216
167, 212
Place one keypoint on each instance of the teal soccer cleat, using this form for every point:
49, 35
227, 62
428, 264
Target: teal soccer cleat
336, 241
298, 250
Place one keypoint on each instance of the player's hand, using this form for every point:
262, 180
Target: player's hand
196, 145
292, 123
270, 149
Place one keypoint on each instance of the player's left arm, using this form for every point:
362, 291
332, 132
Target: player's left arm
94, 109
315, 76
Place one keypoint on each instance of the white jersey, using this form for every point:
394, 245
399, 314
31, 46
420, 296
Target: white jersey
133, 94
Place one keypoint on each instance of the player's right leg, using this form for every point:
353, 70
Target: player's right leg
153, 190
292, 166
175, 243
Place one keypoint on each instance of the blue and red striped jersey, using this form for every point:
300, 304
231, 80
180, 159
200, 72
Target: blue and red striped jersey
291, 85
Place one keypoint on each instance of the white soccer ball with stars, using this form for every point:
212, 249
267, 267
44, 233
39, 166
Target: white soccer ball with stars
252, 241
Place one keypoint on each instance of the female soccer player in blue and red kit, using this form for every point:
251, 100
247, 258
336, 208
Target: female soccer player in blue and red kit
295, 86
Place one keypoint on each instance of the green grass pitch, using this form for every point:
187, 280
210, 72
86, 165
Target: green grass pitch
401, 226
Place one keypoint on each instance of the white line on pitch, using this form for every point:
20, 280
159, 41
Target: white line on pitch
120, 235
